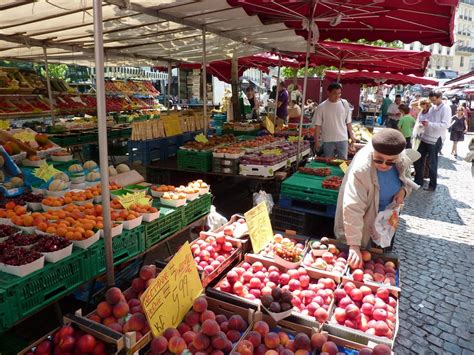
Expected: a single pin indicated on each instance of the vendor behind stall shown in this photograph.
(254, 103)
(294, 114)
(378, 176)
(282, 109)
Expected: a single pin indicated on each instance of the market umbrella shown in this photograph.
(365, 57)
(375, 78)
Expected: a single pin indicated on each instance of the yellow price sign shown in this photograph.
(260, 228)
(45, 172)
(136, 198)
(167, 300)
(344, 167)
(4, 124)
(172, 126)
(201, 138)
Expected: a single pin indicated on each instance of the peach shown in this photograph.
(330, 348)
(272, 340)
(367, 309)
(340, 315)
(365, 290)
(170, 333)
(201, 341)
(284, 339)
(129, 293)
(262, 328)
(365, 351)
(137, 322)
(113, 295)
(348, 287)
(381, 328)
(224, 326)
(147, 272)
(381, 349)
(233, 335)
(95, 318)
(383, 293)
(85, 343)
(260, 350)
(219, 341)
(356, 294)
(321, 315)
(183, 328)
(134, 303)
(271, 352)
(317, 340)
(200, 304)
(301, 352)
(121, 309)
(254, 337)
(189, 337)
(378, 277)
(220, 318)
(380, 314)
(109, 320)
(117, 327)
(210, 327)
(339, 294)
(245, 348)
(236, 322)
(138, 284)
(366, 256)
(302, 341)
(192, 318)
(352, 311)
(104, 310)
(207, 315)
(176, 345)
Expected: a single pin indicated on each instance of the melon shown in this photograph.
(93, 176)
(75, 168)
(61, 176)
(2, 161)
(57, 185)
(112, 171)
(90, 164)
(122, 168)
(16, 181)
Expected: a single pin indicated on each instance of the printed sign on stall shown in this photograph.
(167, 300)
(260, 228)
(344, 167)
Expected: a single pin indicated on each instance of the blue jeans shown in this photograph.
(336, 149)
(430, 150)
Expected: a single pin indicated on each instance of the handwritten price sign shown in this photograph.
(344, 167)
(172, 126)
(137, 198)
(45, 172)
(260, 228)
(167, 300)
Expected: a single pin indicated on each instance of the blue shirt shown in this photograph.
(390, 184)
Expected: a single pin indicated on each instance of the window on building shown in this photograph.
(411, 46)
(461, 61)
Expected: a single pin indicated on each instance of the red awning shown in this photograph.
(374, 78)
(427, 21)
(365, 57)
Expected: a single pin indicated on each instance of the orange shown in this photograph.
(89, 233)
(51, 230)
(27, 221)
(77, 236)
(69, 235)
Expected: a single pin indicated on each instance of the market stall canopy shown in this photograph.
(460, 81)
(141, 32)
(365, 57)
(427, 21)
(374, 78)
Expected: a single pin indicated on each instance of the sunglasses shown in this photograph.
(386, 162)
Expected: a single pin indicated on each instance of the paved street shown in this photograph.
(435, 242)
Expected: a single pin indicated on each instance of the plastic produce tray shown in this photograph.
(170, 221)
(125, 246)
(26, 295)
(197, 208)
(6, 316)
(308, 188)
(335, 170)
(194, 160)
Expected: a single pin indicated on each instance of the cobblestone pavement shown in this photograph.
(435, 242)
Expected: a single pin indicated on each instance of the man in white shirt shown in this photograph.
(439, 118)
(394, 113)
(334, 124)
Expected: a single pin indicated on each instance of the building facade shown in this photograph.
(460, 57)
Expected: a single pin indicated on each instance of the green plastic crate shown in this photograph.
(308, 188)
(6, 316)
(113, 133)
(67, 140)
(26, 295)
(194, 160)
(197, 208)
(126, 132)
(88, 137)
(335, 170)
(171, 221)
(125, 246)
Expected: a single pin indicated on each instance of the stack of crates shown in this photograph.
(225, 165)
(217, 122)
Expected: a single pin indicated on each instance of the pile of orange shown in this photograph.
(73, 196)
(24, 220)
(143, 209)
(55, 201)
(124, 215)
(11, 210)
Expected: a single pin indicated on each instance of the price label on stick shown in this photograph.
(45, 171)
(172, 126)
(137, 198)
(167, 300)
(260, 228)
(344, 167)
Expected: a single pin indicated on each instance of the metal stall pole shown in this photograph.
(278, 83)
(48, 85)
(204, 80)
(170, 78)
(103, 154)
(236, 115)
(305, 83)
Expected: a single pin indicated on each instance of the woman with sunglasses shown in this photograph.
(378, 175)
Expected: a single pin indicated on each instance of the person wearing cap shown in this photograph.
(378, 175)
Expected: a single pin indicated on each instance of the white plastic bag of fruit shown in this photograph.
(263, 196)
(215, 220)
(386, 224)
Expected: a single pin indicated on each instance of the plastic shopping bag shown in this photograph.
(263, 196)
(418, 131)
(215, 220)
(386, 224)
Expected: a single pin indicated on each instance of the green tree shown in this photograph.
(289, 73)
(56, 71)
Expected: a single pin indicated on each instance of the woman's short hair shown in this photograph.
(424, 102)
(404, 108)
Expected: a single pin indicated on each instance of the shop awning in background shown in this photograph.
(374, 78)
(365, 57)
(427, 21)
(460, 81)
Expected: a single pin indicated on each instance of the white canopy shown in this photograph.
(137, 32)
